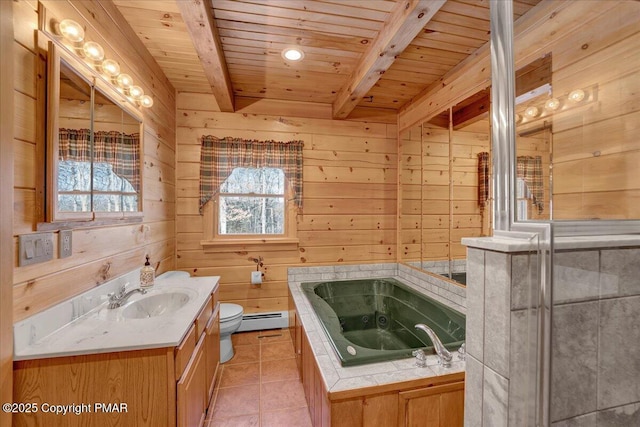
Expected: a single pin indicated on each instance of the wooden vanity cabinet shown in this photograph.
(161, 387)
(192, 390)
(196, 382)
(212, 343)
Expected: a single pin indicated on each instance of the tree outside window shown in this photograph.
(252, 201)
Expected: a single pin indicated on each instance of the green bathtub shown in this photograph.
(372, 320)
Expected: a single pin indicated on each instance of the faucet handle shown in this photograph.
(118, 293)
(121, 290)
(462, 352)
(421, 358)
(445, 360)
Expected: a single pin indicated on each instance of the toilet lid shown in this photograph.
(228, 310)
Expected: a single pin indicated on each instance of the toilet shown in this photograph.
(230, 319)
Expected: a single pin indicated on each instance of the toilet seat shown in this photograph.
(229, 312)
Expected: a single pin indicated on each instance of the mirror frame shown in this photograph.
(57, 54)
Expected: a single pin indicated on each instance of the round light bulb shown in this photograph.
(124, 80)
(93, 51)
(292, 54)
(146, 101)
(552, 104)
(136, 92)
(576, 95)
(71, 30)
(110, 67)
(531, 112)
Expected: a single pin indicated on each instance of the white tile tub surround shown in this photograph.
(83, 324)
(595, 332)
(339, 378)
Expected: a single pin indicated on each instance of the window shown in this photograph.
(523, 200)
(250, 191)
(252, 201)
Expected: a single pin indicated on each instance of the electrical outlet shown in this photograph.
(256, 277)
(35, 248)
(65, 243)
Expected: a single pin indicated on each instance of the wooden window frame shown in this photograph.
(215, 242)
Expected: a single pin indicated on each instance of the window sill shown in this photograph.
(232, 245)
(99, 221)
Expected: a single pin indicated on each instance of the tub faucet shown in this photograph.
(443, 354)
(119, 297)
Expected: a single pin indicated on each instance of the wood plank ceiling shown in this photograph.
(360, 55)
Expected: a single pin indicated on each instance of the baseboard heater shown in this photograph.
(260, 321)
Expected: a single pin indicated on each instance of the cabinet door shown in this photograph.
(213, 350)
(438, 406)
(192, 390)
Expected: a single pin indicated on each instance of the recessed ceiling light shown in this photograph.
(292, 54)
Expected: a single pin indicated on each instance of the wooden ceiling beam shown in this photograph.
(473, 112)
(198, 15)
(403, 24)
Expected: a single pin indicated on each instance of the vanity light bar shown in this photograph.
(552, 105)
(93, 52)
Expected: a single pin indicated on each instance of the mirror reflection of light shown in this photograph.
(576, 95)
(531, 112)
(552, 104)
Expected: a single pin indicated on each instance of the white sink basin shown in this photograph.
(155, 305)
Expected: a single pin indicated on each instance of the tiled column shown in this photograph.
(595, 377)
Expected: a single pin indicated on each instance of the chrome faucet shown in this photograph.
(119, 297)
(443, 354)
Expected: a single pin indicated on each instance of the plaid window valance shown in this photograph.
(530, 170)
(220, 156)
(483, 179)
(120, 150)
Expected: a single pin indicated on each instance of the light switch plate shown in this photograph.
(65, 240)
(34, 248)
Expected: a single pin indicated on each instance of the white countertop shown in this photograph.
(338, 378)
(104, 330)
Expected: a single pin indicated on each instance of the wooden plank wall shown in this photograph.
(436, 195)
(349, 201)
(104, 252)
(467, 220)
(410, 194)
(6, 209)
(596, 151)
(439, 194)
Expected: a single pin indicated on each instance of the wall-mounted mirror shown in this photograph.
(534, 115)
(454, 175)
(94, 146)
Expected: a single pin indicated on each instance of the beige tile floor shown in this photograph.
(260, 386)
